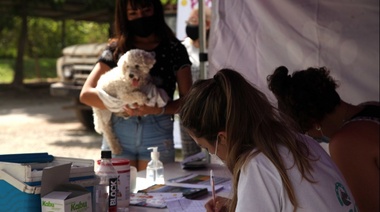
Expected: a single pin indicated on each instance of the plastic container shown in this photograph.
(106, 191)
(133, 176)
(155, 168)
(122, 167)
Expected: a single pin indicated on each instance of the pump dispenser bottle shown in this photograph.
(155, 168)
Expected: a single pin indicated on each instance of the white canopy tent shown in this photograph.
(256, 36)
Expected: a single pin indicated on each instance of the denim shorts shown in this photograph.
(136, 134)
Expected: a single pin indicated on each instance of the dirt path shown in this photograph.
(33, 121)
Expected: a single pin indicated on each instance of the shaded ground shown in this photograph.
(33, 121)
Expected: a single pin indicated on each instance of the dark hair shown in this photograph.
(306, 95)
(123, 36)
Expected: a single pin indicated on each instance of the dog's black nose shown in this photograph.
(131, 75)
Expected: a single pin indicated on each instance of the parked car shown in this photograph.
(73, 68)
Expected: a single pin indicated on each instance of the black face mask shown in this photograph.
(192, 32)
(143, 27)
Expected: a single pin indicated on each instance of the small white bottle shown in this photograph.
(155, 168)
(106, 191)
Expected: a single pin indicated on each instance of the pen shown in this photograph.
(212, 186)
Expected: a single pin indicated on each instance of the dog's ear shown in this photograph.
(122, 59)
(153, 54)
(150, 59)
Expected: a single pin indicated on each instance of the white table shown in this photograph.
(174, 170)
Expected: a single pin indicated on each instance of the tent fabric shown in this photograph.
(254, 37)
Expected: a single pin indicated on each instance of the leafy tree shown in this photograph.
(8, 29)
(32, 28)
(40, 38)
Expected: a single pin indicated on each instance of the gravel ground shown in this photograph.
(33, 121)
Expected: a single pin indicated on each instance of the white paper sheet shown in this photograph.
(186, 205)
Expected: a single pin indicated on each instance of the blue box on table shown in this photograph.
(20, 178)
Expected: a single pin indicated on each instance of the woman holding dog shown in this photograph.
(140, 24)
(274, 168)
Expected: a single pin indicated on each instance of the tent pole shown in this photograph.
(202, 40)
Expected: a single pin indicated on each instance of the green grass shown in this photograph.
(43, 70)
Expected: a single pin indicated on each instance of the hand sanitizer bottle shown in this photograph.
(155, 168)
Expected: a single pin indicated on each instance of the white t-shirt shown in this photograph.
(260, 187)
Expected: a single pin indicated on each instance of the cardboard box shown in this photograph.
(78, 201)
(58, 195)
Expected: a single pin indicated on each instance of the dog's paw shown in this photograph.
(145, 99)
(117, 149)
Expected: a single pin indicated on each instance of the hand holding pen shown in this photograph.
(219, 206)
(216, 204)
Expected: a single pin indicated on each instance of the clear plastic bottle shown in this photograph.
(106, 191)
(155, 168)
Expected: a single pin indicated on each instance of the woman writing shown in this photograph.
(273, 167)
(140, 24)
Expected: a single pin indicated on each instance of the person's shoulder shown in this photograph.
(361, 124)
(259, 165)
(257, 159)
(174, 43)
(356, 136)
(370, 109)
(112, 44)
(346, 132)
(358, 128)
(174, 46)
(370, 103)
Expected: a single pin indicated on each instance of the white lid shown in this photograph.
(155, 155)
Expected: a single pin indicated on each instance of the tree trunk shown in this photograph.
(19, 66)
(63, 35)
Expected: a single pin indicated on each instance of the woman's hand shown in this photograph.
(141, 110)
(221, 204)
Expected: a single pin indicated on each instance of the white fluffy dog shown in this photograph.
(127, 84)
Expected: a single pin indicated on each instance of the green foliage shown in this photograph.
(6, 22)
(173, 2)
(8, 40)
(45, 36)
(6, 71)
(85, 32)
(43, 70)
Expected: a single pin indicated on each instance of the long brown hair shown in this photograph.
(230, 103)
(123, 36)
